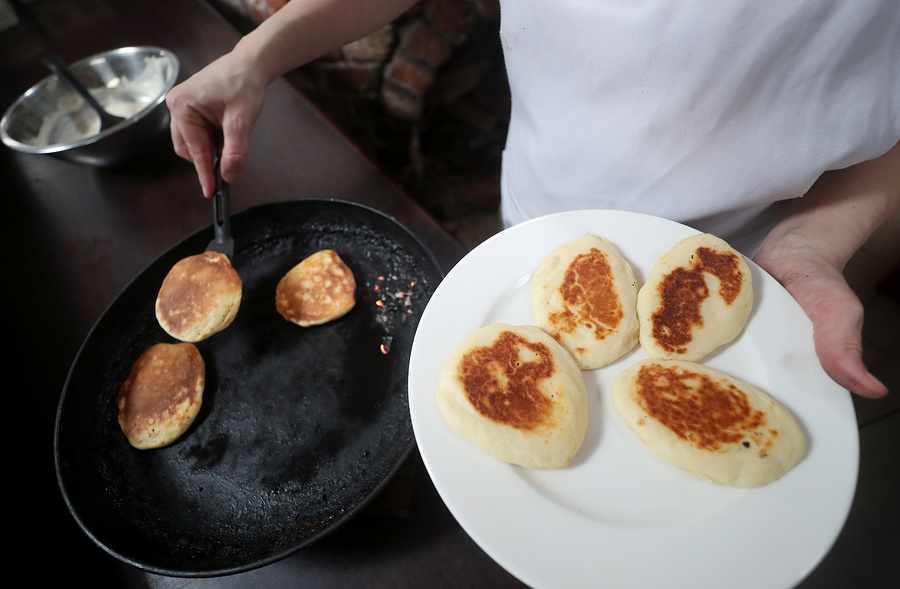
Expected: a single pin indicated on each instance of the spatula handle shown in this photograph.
(221, 212)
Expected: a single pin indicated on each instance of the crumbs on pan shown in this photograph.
(393, 295)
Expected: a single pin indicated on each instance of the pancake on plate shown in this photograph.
(516, 394)
(199, 296)
(162, 395)
(697, 297)
(319, 289)
(708, 423)
(584, 295)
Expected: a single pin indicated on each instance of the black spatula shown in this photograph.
(223, 242)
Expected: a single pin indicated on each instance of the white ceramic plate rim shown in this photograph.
(617, 516)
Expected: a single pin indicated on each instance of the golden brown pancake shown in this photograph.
(317, 290)
(584, 294)
(697, 297)
(516, 394)
(199, 296)
(162, 395)
(708, 423)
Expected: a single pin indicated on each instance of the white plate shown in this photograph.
(617, 516)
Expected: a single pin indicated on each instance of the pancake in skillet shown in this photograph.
(162, 395)
(199, 296)
(708, 423)
(697, 297)
(319, 289)
(516, 394)
(583, 294)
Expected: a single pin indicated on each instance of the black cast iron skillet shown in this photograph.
(299, 427)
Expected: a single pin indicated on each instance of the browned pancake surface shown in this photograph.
(591, 297)
(516, 394)
(162, 394)
(503, 387)
(700, 410)
(708, 423)
(199, 296)
(683, 291)
(317, 290)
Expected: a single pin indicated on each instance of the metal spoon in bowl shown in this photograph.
(57, 65)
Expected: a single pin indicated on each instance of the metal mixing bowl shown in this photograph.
(130, 82)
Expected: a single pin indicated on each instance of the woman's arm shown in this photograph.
(228, 94)
(807, 250)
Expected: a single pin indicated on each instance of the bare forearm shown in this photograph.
(304, 30)
(228, 94)
(841, 210)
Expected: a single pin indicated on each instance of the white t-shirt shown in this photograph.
(703, 112)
